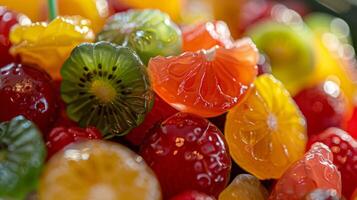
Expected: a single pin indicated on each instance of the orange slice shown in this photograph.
(206, 83)
(266, 133)
(98, 170)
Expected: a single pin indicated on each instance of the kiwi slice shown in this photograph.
(149, 32)
(106, 86)
(22, 155)
(289, 49)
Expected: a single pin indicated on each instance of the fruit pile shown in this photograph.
(115, 100)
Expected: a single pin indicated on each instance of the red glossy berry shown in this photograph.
(192, 195)
(28, 91)
(352, 124)
(323, 106)
(344, 149)
(160, 111)
(7, 20)
(188, 152)
(60, 137)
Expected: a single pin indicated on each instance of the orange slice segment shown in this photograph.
(98, 170)
(266, 133)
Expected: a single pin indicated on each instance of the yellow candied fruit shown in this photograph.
(266, 133)
(49, 45)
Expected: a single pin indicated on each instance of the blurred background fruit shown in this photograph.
(323, 105)
(7, 20)
(37, 10)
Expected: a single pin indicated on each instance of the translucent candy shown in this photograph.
(208, 82)
(98, 170)
(314, 170)
(266, 133)
(244, 187)
(43, 44)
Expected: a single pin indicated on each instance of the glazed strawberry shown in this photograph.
(188, 152)
(60, 137)
(28, 91)
(323, 106)
(344, 149)
(160, 111)
(7, 20)
(192, 195)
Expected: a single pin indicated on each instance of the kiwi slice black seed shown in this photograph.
(106, 86)
(22, 155)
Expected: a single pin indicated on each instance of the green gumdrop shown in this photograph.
(22, 155)
(289, 49)
(149, 32)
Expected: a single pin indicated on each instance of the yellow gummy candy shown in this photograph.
(49, 45)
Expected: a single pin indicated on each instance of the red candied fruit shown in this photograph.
(315, 170)
(28, 91)
(344, 149)
(60, 137)
(323, 106)
(188, 152)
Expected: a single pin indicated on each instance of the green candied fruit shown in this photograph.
(106, 86)
(149, 32)
(289, 49)
(22, 155)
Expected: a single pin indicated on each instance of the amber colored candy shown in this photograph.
(315, 170)
(96, 169)
(206, 35)
(244, 187)
(205, 83)
(266, 133)
(43, 44)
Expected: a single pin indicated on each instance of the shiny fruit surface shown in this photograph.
(28, 91)
(97, 169)
(344, 150)
(188, 152)
(315, 170)
(266, 133)
(206, 83)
